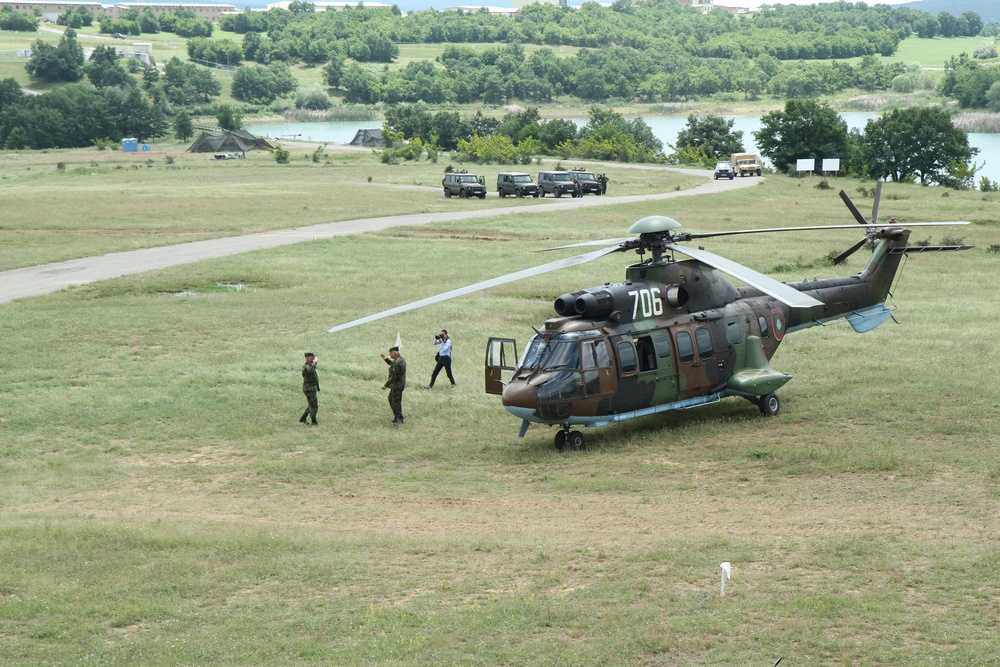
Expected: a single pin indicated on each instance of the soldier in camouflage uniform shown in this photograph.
(396, 383)
(310, 387)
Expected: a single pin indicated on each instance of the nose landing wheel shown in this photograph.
(567, 438)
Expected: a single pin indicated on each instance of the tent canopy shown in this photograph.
(227, 141)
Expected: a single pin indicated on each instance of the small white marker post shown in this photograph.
(726, 575)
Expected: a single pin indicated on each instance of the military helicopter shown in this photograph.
(676, 333)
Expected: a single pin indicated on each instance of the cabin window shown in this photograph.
(705, 348)
(646, 353)
(662, 345)
(685, 348)
(762, 323)
(626, 357)
(734, 333)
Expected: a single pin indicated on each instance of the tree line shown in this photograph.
(904, 145)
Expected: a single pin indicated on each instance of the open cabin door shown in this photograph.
(501, 355)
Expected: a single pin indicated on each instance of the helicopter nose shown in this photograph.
(520, 395)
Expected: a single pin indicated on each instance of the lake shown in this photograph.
(665, 128)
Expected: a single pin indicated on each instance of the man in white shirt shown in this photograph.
(443, 357)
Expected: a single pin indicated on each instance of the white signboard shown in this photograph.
(805, 164)
(831, 164)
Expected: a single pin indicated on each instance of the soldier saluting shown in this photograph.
(396, 383)
(310, 387)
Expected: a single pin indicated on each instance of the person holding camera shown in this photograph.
(443, 357)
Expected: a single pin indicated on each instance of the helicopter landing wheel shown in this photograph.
(561, 440)
(769, 404)
(575, 440)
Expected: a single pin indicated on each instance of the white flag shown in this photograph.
(399, 341)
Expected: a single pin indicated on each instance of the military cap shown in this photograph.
(394, 349)
(310, 354)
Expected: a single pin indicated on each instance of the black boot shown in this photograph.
(314, 422)
(303, 417)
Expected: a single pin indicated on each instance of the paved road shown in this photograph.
(47, 278)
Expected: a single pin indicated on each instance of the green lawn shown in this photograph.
(160, 505)
(108, 201)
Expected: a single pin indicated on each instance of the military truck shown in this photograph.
(745, 164)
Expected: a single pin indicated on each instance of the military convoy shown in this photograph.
(557, 182)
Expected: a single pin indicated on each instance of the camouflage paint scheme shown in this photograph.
(677, 334)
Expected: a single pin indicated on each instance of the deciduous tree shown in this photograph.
(917, 142)
(714, 134)
(804, 129)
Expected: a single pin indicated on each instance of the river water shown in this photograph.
(665, 128)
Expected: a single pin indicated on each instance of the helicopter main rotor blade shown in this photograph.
(766, 284)
(854, 209)
(590, 243)
(812, 228)
(469, 289)
(850, 251)
(767, 230)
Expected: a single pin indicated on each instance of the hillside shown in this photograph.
(988, 10)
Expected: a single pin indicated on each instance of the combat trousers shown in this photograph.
(313, 403)
(396, 403)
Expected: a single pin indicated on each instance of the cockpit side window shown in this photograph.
(595, 354)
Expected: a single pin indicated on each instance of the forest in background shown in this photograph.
(654, 51)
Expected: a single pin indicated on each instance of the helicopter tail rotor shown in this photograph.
(861, 221)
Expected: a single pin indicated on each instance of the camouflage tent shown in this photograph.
(225, 141)
(370, 138)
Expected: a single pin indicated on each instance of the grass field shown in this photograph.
(107, 201)
(159, 504)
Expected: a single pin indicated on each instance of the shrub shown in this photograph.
(985, 50)
(313, 97)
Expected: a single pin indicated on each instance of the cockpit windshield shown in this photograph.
(558, 351)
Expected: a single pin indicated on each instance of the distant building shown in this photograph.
(704, 6)
(49, 10)
(52, 10)
(472, 9)
(332, 6)
(210, 12)
(518, 4)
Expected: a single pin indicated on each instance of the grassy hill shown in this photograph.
(161, 505)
